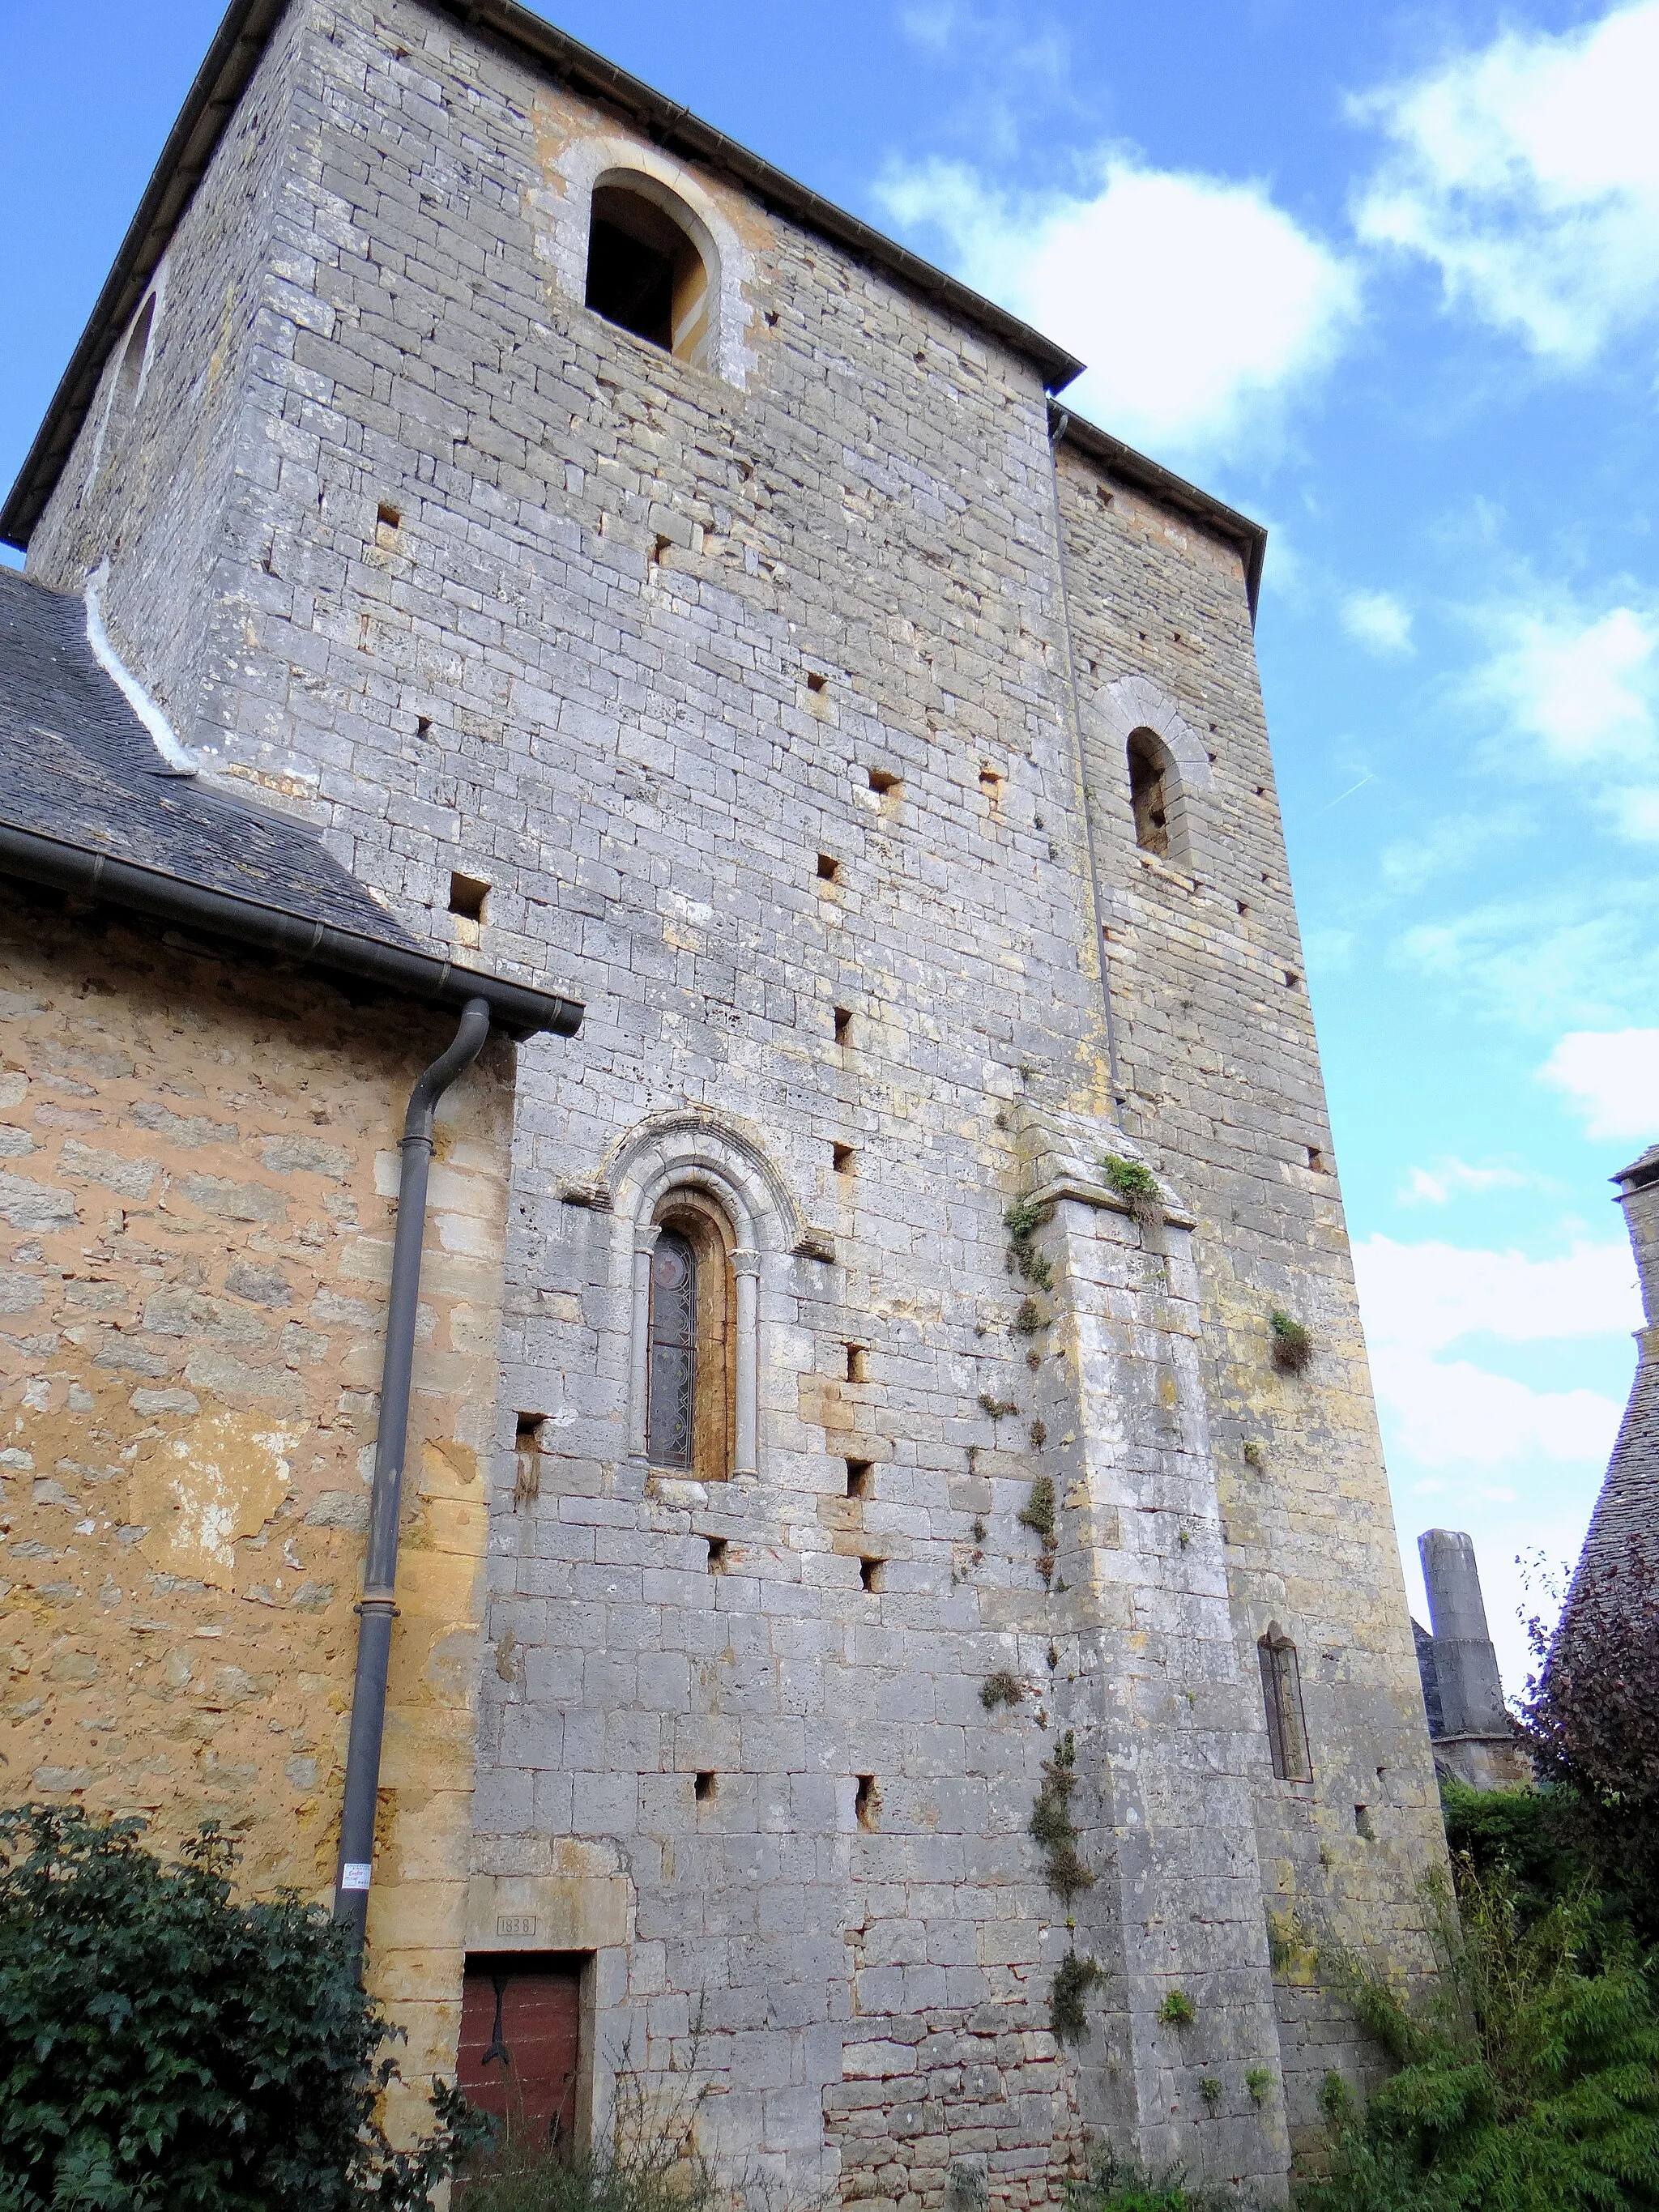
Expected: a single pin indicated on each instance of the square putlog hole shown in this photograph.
(884, 783)
(718, 1548)
(527, 1459)
(843, 1024)
(858, 1364)
(468, 896)
(815, 681)
(842, 1156)
(870, 1575)
(867, 1802)
(828, 868)
(703, 1788)
(859, 1474)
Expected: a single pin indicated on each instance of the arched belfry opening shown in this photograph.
(1154, 795)
(646, 271)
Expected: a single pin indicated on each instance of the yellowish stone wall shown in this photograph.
(198, 1177)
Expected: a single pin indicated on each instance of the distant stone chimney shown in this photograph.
(1638, 1190)
(1462, 1692)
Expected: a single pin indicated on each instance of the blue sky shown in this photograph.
(1387, 278)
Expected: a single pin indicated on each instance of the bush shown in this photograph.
(164, 2050)
(1528, 2082)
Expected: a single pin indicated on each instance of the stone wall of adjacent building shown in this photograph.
(747, 692)
(198, 1172)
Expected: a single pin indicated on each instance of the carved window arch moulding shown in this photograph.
(708, 1185)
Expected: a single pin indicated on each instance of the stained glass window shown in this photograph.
(673, 1374)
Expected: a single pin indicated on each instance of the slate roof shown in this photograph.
(89, 804)
(1624, 1529)
(76, 764)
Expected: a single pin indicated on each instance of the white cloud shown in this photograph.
(1582, 954)
(1611, 1077)
(1528, 173)
(1418, 1299)
(1437, 1185)
(1199, 304)
(1422, 1297)
(1585, 690)
(1453, 842)
(1377, 620)
(1452, 1413)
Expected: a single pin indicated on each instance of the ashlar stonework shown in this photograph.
(778, 701)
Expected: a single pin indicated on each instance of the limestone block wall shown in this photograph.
(745, 689)
(1220, 1075)
(147, 488)
(198, 1157)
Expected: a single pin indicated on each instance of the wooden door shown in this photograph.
(521, 2042)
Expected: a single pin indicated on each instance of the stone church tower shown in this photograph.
(930, 1398)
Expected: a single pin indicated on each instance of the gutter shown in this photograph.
(518, 1008)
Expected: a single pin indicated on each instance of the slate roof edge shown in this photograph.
(519, 1008)
(230, 61)
(1250, 537)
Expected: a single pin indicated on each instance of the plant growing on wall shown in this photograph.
(1136, 1186)
(161, 2045)
(1075, 1976)
(1002, 1688)
(1038, 1513)
(1052, 1825)
(1023, 1220)
(1292, 1344)
(1177, 2009)
(1066, 1873)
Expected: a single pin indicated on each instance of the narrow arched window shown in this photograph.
(644, 272)
(1153, 793)
(671, 1421)
(1281, 1693)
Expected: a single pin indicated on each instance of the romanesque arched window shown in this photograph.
(1281, 1693)
(691, 1368)
(670, 1417)
(645, 268)
(1155, 797)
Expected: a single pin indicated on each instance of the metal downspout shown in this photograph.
(375, 1613)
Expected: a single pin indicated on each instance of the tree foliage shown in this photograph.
(1590, 1715)
(1528, 2083)
(163, 2049)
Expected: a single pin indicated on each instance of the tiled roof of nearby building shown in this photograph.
(87, 802)
(76, 764)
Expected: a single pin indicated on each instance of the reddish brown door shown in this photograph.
(521, 2041)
